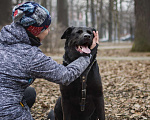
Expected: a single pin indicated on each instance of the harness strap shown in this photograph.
(83, 80)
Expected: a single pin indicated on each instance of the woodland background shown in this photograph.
(123, 54)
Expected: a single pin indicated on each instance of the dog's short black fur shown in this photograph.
(68, 105)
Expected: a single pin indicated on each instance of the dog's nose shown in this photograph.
(87, 36)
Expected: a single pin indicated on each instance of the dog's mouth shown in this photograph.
(83, 49)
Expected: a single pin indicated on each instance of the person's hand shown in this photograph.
(95, 39)
(94, 45)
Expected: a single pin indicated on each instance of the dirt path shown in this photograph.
(110, 58)
(116, 47)
(113, 51)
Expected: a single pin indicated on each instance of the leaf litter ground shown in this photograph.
(126, 86)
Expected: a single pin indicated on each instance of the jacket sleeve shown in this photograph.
(45, 67)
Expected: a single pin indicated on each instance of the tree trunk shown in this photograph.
(87, 9)
(50, 39)
(78, 10)
(116, 22)
(43, 3)
(71, 13)
(101, 20)
(5, 12)
(98, 15)
(92, 13)
(50, 5)
(62, 12)
(121, 17)
(142, 26)
(45, 42)
(110, 19)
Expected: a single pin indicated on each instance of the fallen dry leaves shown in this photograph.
(126, 89)
(126, 86)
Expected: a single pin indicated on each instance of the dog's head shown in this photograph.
(78, 41)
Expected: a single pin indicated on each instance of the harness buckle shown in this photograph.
(84, 93)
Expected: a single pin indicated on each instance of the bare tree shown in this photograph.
(62, 12)
(116, 21)
(121, 17)
(71, 10)
(142, 26)
(78, 9)
(110, 21)
(101, 19)
(5, 12)
(92, 13)
(98, 14)
(44, 3)
(46, 41)
(50, 5)
(87, 9)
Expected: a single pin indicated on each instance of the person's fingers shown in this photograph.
(96, 37)
(97, 40)
(94, 34)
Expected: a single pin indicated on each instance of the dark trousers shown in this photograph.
(30, 96)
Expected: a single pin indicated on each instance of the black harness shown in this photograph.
(83, 78)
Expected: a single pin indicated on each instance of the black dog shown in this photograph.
(83, 98)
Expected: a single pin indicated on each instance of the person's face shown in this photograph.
(42, 35)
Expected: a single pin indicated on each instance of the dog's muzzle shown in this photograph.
(83, 47)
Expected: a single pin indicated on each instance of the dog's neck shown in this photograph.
(65, 63)
(69, 56)
(66, 60)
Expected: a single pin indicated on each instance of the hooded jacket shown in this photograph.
(20, 64)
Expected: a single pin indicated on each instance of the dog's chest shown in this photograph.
(74, 90)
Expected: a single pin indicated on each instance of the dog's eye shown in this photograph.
(79, 31)
(89, 32)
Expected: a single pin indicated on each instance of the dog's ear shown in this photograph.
(67, 32)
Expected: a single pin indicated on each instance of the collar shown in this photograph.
(35, 41)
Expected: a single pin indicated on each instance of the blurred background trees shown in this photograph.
(5, 12)
(142, 31)
(62, 12)
(114, 19)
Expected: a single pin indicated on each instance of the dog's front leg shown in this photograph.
(99, 103)
(66, 109)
